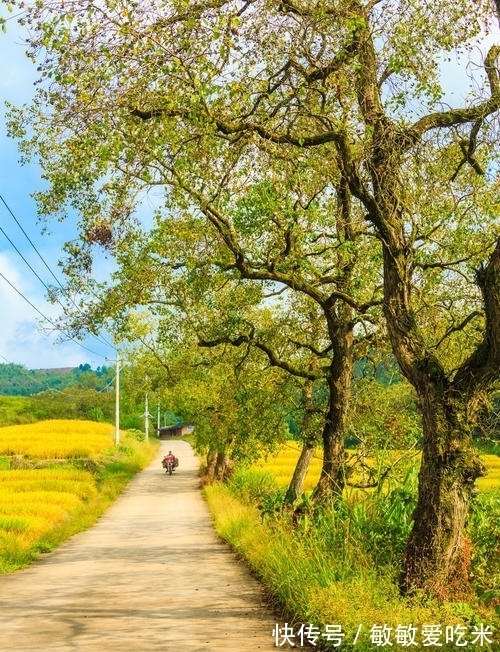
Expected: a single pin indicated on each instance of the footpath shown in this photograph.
(150, 575)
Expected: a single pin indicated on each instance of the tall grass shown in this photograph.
(340, 567)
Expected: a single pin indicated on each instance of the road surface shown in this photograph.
(150, 575)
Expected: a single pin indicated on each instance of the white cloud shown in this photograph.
(25, 337)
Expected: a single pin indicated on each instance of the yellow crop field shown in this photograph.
(34, 501)
(56, 478)
(56, 439)
(492, 480)
(282, 464)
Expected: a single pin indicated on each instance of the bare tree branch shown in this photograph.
(468, 148)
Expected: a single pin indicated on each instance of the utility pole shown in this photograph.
(117, 400)
(146, 418)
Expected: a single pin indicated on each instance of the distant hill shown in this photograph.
(17, 380)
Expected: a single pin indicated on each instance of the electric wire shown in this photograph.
(47, 319)
(9, 210)
(24, 259)
(11, 213)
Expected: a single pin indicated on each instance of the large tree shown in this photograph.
(207, 97)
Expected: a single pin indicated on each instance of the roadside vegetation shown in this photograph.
(56, 479)
(333, 568)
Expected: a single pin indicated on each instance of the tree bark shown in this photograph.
(310, 441)
(437, 554)
(332, 479)
(223, 466)
(219, 466)
(209, 475)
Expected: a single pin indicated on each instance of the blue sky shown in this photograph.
(23, 334)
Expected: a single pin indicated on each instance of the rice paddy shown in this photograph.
(33, 501)
(281, 466)
(56, 439)
(55, 480)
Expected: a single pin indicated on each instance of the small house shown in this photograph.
(175, 430)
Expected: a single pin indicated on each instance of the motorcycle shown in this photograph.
(170, 464)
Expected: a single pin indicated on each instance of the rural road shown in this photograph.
(150, 575)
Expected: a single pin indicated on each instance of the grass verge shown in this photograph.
(332, 582)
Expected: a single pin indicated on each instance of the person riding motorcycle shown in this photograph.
(170, 459)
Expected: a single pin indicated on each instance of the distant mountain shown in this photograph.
(17, 380)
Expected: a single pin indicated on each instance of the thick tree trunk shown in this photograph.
(310, 442)
(437, 555)
(332, 479)
(223, 466)
(219, 466)
(209, 474)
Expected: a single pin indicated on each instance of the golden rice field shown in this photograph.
(33, 501)
(56, 439)
(282, 464)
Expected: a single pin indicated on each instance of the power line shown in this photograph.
(100, 355)
(24, 260)
(29, 240)
(11, 213)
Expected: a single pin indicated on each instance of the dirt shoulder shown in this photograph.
(150, 575)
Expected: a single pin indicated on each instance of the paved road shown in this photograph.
(150, 575)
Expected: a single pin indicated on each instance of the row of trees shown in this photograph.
(315, 198)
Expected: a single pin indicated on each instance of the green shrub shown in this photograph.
(253, 486)
(383, 521)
